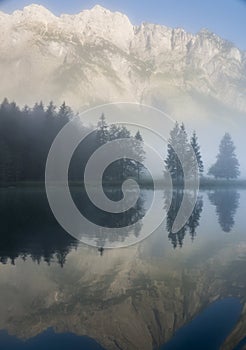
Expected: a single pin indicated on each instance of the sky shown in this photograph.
(227, 18)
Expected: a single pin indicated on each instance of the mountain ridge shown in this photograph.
(100, 56)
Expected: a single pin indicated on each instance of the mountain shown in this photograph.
(99, 56)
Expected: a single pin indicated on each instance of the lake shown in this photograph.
(184, 290)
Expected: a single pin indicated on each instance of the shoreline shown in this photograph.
(205, 183)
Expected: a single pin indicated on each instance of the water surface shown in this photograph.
(147, 296)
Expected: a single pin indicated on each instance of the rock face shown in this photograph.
(99, 56)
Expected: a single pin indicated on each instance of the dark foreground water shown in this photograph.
(48, 340)
(171, 291)
(209, 329)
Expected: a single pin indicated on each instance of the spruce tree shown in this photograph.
(227, 165)
(196, 149)
(185, 155)
(102, 134)
(171, 161)
(64, 114)
(140, 153)
(178, 157)
(120, 169)
(38, 108)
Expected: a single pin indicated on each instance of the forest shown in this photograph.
(26, 135)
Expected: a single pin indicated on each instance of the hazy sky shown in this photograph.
(227, 18)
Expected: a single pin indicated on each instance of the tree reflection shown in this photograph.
(104, 219)
(226, 203)
(191, 225)
(29, 229)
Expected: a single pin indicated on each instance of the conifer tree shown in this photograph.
(196, 149)
(178, 157)
(227, 165)
(102, 134)
(64, 114)
(171, 161)
(140, 153)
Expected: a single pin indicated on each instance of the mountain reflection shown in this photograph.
(192, 223)
(226, 202)
(134, 298)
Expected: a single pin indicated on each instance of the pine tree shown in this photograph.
(196, 149)
(64, 114)
(124, 167)
(51, 110)
(138, 136)
(185, 155)
(25, 138)
(178, 157)
(102, 134)
(121, 168)
(49, 124)
(227, 165)
(140, 153)
(171, 161)
(38, 107)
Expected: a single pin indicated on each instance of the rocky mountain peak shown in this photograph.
(34, 12)
(100, 9)
(102, 55)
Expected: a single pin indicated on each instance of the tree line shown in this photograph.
(26, 136)
(125, 167)
(226, 165)
(25, 139)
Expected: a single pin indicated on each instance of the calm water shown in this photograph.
(171, 291)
